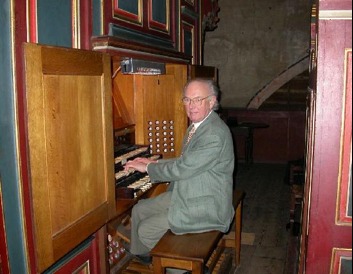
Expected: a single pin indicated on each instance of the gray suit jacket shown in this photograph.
(202, 179)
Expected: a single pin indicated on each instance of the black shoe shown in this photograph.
(144, 259)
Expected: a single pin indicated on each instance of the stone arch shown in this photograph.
(278, 82)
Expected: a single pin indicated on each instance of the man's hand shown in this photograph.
(139, 164)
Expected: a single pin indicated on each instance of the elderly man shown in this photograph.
(199, 198)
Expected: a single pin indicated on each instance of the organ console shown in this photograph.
(147, 111)
(149, 121)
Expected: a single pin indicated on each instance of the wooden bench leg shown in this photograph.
(237, 243)
(197, 268)
(233, 240)
(157, 266)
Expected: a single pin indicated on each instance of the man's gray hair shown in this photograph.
(212, 87)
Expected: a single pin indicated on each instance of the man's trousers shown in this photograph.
(149, 222)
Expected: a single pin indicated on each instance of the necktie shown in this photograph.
(191, 132)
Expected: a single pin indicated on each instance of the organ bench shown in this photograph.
(192, 251)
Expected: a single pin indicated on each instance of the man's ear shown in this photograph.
(213, 101)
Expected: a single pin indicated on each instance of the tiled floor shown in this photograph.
(265, 213)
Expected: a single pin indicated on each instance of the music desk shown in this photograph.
(247, 129)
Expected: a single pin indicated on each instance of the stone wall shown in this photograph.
(254, 42)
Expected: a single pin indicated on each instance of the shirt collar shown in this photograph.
(196, 125)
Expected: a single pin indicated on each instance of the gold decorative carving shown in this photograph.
(210, 18)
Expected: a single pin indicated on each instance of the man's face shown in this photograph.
(195, 112)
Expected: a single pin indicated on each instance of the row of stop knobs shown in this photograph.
(115, 250)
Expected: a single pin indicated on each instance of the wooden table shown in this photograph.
(247, 129)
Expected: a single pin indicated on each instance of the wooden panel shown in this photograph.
(70, 147)
(129, 10)
(344, 197)
(151, 23)
(82, 260)
(191, 3)
(282, 141)
(341, 262)
(197, 71)
(188, 39)
(160, 97)
(54, 21)
(190, 33)
(323, 233)
(158, 17)
(309, 136)
(152, 105)
(119, 47)
(69, 110)
(4, 260)
(123, 101)
(158, 125)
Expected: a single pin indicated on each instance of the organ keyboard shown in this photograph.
(129, 184)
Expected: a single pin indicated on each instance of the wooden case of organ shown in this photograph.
(77, 116)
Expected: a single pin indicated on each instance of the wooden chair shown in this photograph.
(192, 251)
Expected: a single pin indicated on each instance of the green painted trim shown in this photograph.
(188, 12)
(97, 29)
(139, 37)
(69, 256)
(8, 149)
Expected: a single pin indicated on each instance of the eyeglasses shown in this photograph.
(196, 101)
